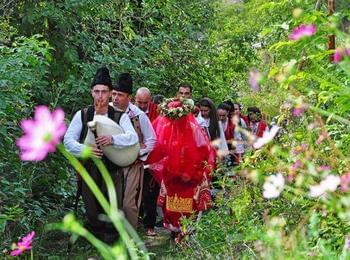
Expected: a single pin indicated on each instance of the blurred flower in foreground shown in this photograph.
(255, 78)
(273, 186)
(347, 243)
(323, 136)
(299, 110)
(297, 12)
(24, 244)
(300, 148)
(324, 168)
(303, 30)
(340, 53)
(330, 183)
(296, 165)
(345, 181)
(41, 134)
(266, 138)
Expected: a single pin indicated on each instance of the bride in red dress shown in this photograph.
(181, 161)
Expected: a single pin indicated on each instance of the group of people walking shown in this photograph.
(180, 143)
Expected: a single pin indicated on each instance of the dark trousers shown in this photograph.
(149, 198)
(100, 228)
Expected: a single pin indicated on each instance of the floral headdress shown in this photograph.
(175, 108)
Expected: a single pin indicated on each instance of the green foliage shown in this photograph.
(245, 225)
(50, 51)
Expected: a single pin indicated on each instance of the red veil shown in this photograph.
(181, 161)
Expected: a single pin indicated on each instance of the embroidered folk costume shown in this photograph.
(181, 161)
(74, 143)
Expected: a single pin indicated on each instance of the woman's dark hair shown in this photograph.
(214, 130)
(256, 111)
(157, 99)
(231, 109)
(224, 106)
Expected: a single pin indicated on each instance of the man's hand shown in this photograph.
(97, 152)
(104, 140)
(101, 107)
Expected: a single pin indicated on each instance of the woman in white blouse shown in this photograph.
(209, 120)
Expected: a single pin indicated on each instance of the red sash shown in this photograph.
(261, 128)
(229, 130)
(246, 120)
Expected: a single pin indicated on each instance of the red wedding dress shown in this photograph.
(181, 161)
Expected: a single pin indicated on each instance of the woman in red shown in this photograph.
(182, 161)
(255, 123)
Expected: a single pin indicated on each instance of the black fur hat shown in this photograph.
(124, 83)
(102, 77)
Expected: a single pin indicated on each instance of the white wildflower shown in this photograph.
(330, 183)
(266, 138)
(273, 186)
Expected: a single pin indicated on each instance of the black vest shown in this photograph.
(87, 115)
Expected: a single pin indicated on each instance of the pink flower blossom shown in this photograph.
(299, 109)
(296, 165)
(325, 168)
(337, 56)
(255, 78)
(344, 181)
(340, 53)
(41, 134)
(300, 148)
(303, 30)
(24, 244)
(323, 136)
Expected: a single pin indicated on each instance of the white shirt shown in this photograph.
(148, 134)
(204, 123)
(238, 136)
(255, 127)
(71, 138)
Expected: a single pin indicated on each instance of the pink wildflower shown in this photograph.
(340, 53)
(344, 181)
(324, 168)
(24, 244)
(42, 133)
(299, 109)
(296, 165)
(323, 136)
(300, 148)
(303, 30)
(255, 78)
(337, 56)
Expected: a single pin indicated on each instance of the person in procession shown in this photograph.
(209, 121)
(255, 123)
(133, 174)
(143, 99)
(182, 159)
(101, 88)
